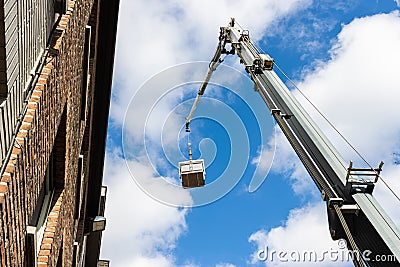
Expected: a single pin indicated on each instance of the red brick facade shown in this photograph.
(52, 124)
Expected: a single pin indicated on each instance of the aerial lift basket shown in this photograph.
(192, 173)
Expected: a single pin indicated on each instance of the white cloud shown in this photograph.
(397, 2)
(358, 90)
(286, 162)
(385, 197)
(265, 153)
(358, 87)
(154, 35)
(304, 233)
(140, 230)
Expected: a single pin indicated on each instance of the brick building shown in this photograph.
(56, 64)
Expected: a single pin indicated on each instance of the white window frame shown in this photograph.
(37, 231)
(80, 183)
(85, 72)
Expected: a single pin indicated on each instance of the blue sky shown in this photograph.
(336, 51)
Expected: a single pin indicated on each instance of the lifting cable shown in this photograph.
(353, 244)
(189, 147)
(338, 132)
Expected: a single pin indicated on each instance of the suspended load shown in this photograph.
(192, 173)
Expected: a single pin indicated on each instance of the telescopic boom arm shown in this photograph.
(214, 63)
(353, 212)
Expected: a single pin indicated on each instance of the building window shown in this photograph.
(74, 254)
(85, 72)
(35, 230)
(79, 180)
(53, 180)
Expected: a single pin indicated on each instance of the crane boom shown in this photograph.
(214, 63)
(353, 212)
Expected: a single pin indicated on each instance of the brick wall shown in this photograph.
(57, 92)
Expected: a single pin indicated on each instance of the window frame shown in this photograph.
(86, 75)
(36, 228)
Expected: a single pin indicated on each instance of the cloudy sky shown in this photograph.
(344, 55)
